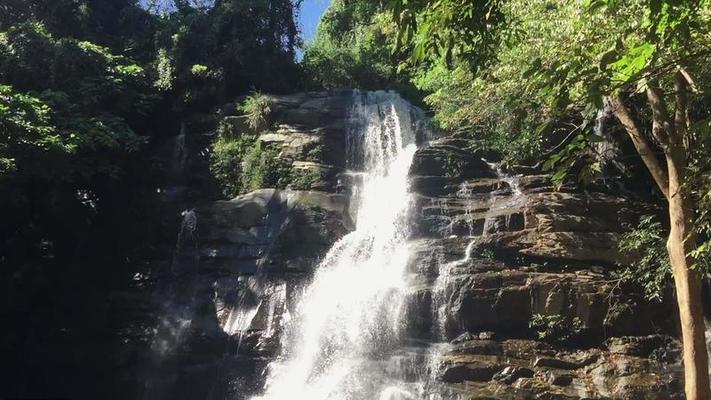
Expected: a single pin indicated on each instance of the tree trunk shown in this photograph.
(671, 136)
(686, 280)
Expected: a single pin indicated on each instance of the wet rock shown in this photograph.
(270, 228)
(639, 346)
(555, 396)
(464, 337)
(460, 372)
(558, 373)
(558, 379)
(555, 363)
(509, 375)
(479, 347)
(447, 159)
(487, 335)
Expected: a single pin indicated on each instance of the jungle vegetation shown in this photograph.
(90, 88)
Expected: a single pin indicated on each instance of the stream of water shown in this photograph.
(348, 320)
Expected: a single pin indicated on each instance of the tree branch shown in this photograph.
(681, 111)
(692, 84)
(644, 149)
(662, 125)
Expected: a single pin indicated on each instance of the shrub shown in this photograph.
(243, 164)
(487, 253)
(257, 108)
(556, 328)
(304, 179)
(199, 70)
(262, 167)
(652, 269)
(315, 154)
(226, 161)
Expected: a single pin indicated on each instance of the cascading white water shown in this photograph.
(348, 318)
(440, 290)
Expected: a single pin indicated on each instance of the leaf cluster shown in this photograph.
(652, 268)
(556, 328)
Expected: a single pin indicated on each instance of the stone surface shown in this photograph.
(487, 249)
(553, 375)
(532, 250)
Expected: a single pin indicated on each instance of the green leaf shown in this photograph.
(533, 69)
(633, 62)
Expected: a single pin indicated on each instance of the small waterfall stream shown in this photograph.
(348, 319)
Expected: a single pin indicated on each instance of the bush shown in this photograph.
(315, 154)
(243, 164)
(652, 270)
(257, 108)
(263, 168)
(556, 328)
(304, 179)
(226, 161)
(487, 253)
(199, 70)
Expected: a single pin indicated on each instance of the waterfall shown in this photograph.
(348, 319)
(179, 154)
(440, 290)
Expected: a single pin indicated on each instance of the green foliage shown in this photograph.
(563, 161)
(353, 48)
(495, 110)
(487, 253)
(30, 139)
(315, 154)
(263, 168)
(82, 95)
(226, 161)
(304, 179)
(448, 29)
(556, 328)
(164, 71)
(244, 44)
(522, 75)
(257, 108)
(699, 184)
(242, 164)
(199, 70)
(652, 268)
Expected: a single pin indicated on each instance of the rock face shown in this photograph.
(489, 253)
(526, 369)
(492, 251)
(235, 270)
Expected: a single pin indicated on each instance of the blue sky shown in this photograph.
(311, 12)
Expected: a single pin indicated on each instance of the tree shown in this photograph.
(608, 52)
(352, 48)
